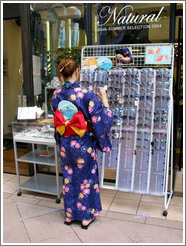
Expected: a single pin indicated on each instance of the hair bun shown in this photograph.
(66, 67)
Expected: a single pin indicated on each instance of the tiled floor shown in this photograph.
(127, 218)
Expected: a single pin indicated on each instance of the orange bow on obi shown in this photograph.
(77, 125)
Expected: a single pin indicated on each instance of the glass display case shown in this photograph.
(34, 131)
(40, 134)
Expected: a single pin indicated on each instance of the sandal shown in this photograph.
(68, 222)
(86, 226)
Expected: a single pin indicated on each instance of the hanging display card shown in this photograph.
(158, 55)
(90, 63)
(104, 63)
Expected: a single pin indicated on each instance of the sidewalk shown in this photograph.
(127, 218)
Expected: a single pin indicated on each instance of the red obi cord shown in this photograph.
(76, 126)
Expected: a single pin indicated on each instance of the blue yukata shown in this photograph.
(78, 154)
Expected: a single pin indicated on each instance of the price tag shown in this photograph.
(105, 87)
(136, 103)
(120, 101)
(118, 122)
(116, 135)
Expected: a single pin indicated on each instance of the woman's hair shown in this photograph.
(66, 68)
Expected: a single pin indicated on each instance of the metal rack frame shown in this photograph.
(138, 51)
(46, 184)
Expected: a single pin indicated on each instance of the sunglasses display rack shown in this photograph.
(139, 100)
(140, 95)
(87, 78)
(90, 79)
(145, 117)
(114, 94)
(160, 131)
(130, 100)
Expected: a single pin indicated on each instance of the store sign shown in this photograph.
(118, 19)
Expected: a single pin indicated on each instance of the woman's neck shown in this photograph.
(71, 79)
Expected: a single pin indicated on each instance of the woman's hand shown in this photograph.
(121, 58)
(101, 93)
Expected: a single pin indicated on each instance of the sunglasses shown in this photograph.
(129, 96)
(115, 104)
(143, 125)
(163, 120)
(99, 83)
(159, 141)
(128, 124)
(164, 98)
(114, 98)
(144, 118)
(129, 111)
(163, 113)
(144, 112)
(129, 104)
(148, 84)
(141, 147)
(161, 84)
(130, 83)
(127, 138)
(116, 122)
(145, 90)
(130, 90)
(130, 117)
(162, 91)
(145, 104)
(128, 131)
(115, 83)
(162, 126)
(145, 133)
(147, 97)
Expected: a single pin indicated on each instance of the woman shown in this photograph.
(78, 140)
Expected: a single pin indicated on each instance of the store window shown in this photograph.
(57, 31)
(124, 23)
(61, 29)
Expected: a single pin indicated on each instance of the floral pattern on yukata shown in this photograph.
(78, 154)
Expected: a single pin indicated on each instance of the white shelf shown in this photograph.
(42, 183)
(34, 157)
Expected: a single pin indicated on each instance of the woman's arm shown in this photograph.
(101, 93)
